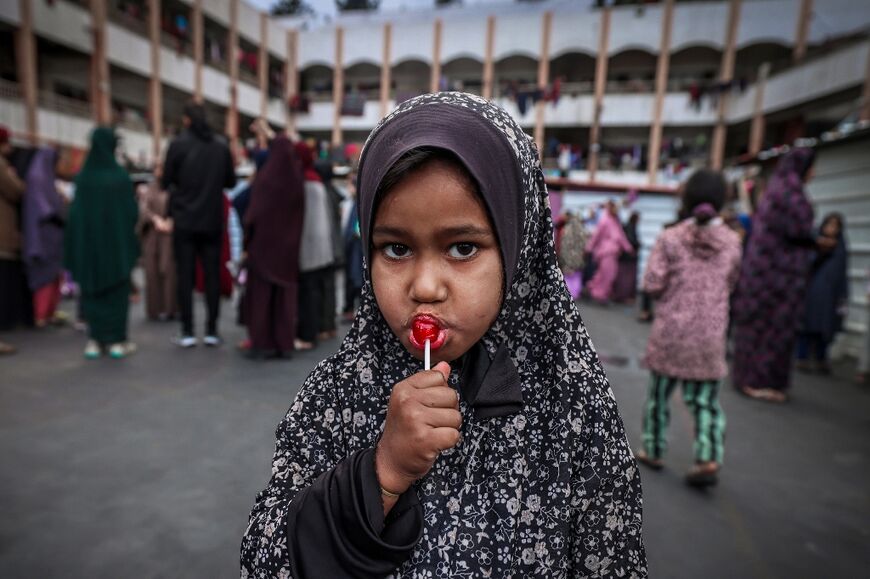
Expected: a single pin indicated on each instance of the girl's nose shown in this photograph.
(429, 284)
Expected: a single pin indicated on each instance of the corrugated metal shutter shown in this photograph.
(842, 183)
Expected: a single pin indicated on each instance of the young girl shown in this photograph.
(508, 458)
(691, 272)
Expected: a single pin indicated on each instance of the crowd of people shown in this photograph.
(300, 229)
(768, 280)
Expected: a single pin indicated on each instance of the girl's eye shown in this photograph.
(462, 250)
(396, 250)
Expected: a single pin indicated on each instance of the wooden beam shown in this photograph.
(756, 131)
(291, 83)
(100, 97)
(600, 84)
(543, 79)
(25, 49)
(488, 64)
(386, 69)
(233, 55)
(155, 88)
(198, 48)
(803, 29)
(337, 86)
(263, 65)
(664, 60)
(435, 81)
(726, 74)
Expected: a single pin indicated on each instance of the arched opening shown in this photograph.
(464, 74)
(577, 71)
(749, 58)
(363, 78)
(316, 82)
(631, 70)
(410, 78)
(693, 64)
(515, 72)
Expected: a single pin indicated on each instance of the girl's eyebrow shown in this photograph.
(467, 230)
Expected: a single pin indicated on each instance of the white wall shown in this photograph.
(12, 115)
(63, 22)
(316, 47)
(363, 45)
(462, 38)
(411, 40)
(514, 34)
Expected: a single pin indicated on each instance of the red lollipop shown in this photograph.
(425, 329)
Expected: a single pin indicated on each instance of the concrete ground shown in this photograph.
(147, 467)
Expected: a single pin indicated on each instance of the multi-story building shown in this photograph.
(636, 89)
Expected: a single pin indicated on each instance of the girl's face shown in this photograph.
(435, 252)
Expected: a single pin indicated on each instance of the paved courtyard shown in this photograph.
(147, 467)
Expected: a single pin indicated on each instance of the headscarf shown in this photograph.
(306, 158)
(546, 489)
(784, 208)
(42, 221)
(100, 246)
(273, 221)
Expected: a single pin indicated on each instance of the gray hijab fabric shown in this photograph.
(549, 490)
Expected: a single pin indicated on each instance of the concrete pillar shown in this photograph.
(263, 65)
(198, 27)
(386, 69)
(664, 60)
(337, 86)
(25, 50)
(291, 82)
(543, 79)
(101, 103)
(756, 131)
(436, 56)
(232, 127)
(726, 74)
(803, 28)
(865, 94)
(600, 83)
(488, 64)
(155, 90)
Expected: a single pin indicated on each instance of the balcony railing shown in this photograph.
(10, 90)
(55, 102)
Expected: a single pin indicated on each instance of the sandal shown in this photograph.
(703, 474)
(653, 463)
(764, 394)
(302, 345)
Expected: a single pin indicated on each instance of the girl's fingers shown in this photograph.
(443, 417)
(429, 379)
(444, 397)
(445, 437)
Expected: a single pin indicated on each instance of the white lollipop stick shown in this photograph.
(426, 361)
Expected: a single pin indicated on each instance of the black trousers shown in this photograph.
(16, 301)
(312, 292)
(188, 246)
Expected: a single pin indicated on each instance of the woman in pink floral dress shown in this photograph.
(691, 273)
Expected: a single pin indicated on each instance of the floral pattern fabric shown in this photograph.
(552, 491)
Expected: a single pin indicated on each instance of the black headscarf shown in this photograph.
(548, 488)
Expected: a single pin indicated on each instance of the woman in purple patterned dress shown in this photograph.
(773, 279)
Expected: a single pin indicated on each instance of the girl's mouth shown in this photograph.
(425, 327)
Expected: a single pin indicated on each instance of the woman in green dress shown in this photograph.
(100, 249)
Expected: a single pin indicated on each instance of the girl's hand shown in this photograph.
(422, 420)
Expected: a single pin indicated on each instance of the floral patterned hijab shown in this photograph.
(550, 489)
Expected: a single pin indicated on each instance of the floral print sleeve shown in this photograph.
(321, 514)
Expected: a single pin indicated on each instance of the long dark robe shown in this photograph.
(771, 294)
(828, 292)
(42, 220)
(100, 244)
(157, 258)
(273, 230)
(542, 484)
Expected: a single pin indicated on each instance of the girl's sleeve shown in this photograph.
(321, 514)
(655, 278)
(606, 504)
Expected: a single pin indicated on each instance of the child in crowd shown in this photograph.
(508, 457)
(691, 272)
